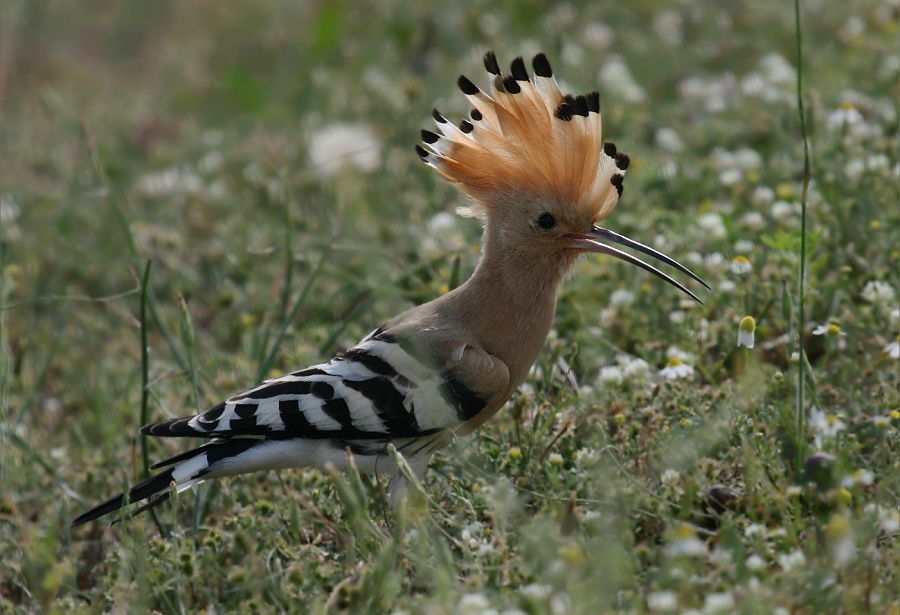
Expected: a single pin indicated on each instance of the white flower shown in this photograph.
(585, 457)
(755, 562)
(555, 459)
(668, 27)
(714, 260)
(755, 530)
(634, 368)
(616, 77)
(831, 330)
(169, 181)
(740, 265)
(560, 604)
(878, 292)
(824, 425)
(730, 177)
(763, 194)
(727, 286)
(792, 561)
(713, 225)
(746, 329)
(662, 601)
(782, 209)
(753, 219)
(667, 139)
(888, 518)
(674, 352)
(858, 477)
(720, 602)
(893, 349)
(621, 298)
(845, 115)
(670, 477)
(694, 258)
(743, 246)
(474, 604)
(685, 543)
(675, 368)
(748, 159)
(841, 540)
(338, 145)
(894, 317)
(778, 70)
(9, 209)
(676, 317)
(472, 530)
(611, 375)
(536, 591)
(598, 35)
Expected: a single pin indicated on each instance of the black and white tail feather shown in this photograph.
(381, 391)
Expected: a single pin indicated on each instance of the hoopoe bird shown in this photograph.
(533, 165)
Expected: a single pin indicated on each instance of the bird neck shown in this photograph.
(510, 300)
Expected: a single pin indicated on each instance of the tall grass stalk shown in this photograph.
(801, 315)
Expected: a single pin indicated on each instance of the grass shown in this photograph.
(179, 134)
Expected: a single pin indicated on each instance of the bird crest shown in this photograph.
(524, 136)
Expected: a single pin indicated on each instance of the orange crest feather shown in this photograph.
(527, 137)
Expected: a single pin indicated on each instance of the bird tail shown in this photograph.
(187, 469)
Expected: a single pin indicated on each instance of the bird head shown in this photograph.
(533, 164)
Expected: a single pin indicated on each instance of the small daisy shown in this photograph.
(473, 604)
(882, 422)
(824, 425)
(662, 601)
(893, 349)
(831, 330)
(740, 265)
(846, 114)
(685, 542)
(878, 292)
(888, 518)
(676, 368)
(858, 477)
(718, 602)
(621, 298)
(610, 375)
(841, 540)
(344, 145)
(755, 562)
(670, 477)
(746, 329)
(633, 368)
(792, 561)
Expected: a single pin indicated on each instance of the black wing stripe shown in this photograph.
(462, 398)
(294, 419)
(213, 414)
(274, 389)
(389, 404)
(227, 450)
(337, 409)
(322, 390)
(374, 364)
(244, 411)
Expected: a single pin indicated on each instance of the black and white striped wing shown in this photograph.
(379, 389)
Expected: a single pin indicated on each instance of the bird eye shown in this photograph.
(546, 221)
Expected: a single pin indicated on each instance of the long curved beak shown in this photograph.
(593, 242)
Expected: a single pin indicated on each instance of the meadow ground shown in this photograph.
(260, 155)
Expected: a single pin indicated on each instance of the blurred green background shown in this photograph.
(260, 154)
